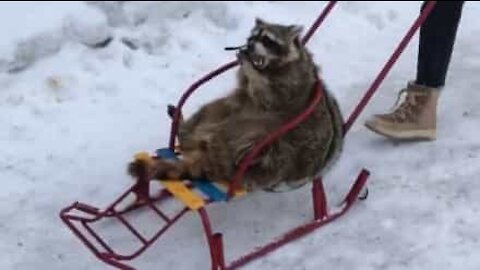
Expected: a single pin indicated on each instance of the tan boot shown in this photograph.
(414, 118)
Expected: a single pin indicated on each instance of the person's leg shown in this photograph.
(415, 118)
(437, 38)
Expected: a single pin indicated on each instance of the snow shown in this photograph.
(72, 116)
(34, 36)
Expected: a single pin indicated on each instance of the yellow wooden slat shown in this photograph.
(238, 192)
(191, 199)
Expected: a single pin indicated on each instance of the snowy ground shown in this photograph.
(72, 116)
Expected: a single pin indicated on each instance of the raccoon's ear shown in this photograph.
(295, 30)
(260, 22)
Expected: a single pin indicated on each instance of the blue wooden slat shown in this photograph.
(166, 153)
(210, 190)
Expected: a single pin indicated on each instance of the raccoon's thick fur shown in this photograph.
(276, 82)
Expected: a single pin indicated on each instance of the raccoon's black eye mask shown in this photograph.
(258, 61)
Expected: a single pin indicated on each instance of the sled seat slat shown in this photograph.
(209, 189)
(213, 191)
(205, 186)
(178, 189)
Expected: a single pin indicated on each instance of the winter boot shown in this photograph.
(413, 119)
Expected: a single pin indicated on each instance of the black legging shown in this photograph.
(437, 38)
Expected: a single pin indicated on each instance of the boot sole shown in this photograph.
(419, 134)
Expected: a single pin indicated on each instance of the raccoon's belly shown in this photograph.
(286, 186)
(313, 145)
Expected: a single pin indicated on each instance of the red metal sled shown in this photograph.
(80, 217)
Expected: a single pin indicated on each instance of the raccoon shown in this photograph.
(275, 83)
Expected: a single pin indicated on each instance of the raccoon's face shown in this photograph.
(271, 46)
